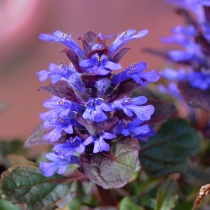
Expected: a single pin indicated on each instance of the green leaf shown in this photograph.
(18, 159)
(116, 168)
(6, 205)
(126, 203)
(169, 150)
(75, 204)
(185, 205)
(103, 208)
(8, 147)
(27, 185)
(197, 176)
(167, 195)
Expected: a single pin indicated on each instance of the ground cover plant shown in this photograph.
(119, 138)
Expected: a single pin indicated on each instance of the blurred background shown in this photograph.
(22, 54)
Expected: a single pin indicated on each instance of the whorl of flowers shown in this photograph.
(92, 104)
(194, 37)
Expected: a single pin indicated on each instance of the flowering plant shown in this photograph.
(113, 141)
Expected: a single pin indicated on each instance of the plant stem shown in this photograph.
(107, 197)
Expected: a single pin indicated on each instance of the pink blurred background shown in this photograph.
(22, 54)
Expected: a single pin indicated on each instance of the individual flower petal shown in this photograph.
(179, 55)
(89, 140)
(171, 89)
(98, 140)
(100, 145)
(145, 136)
(172, 74)
(136, 73)
(125, 37)
(107, 135)
(199, 80)
(59, 36)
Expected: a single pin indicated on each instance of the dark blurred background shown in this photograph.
(22, 54)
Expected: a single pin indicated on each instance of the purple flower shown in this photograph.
(99, 143)
(125, 37)
(55, 73)
(194, 38)
(136, 72)
(59, 163)
(68, 148)
(145, 136)
(59, 36)
(171, 89)
(59, 125)
(100, 65)
(179, 55)
(172, 74)
(60, 108)
(131, 105)
(132, 128)
(200, 80)
(182, 35)
(95, 108)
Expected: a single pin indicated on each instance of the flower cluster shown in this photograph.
(91, 105)
(194, 38)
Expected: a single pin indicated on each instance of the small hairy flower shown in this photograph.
(99, 65)
(99, 143)
(137, 73)
(56, 72)
(58, 163)
(95, 108)
(132, 106)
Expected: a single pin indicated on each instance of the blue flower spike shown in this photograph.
(194, 39)
(87, 113)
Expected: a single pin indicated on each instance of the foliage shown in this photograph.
(117, 144)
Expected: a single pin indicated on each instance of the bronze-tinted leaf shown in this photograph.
(125, 88)
(162, 110)
(195, 97)
(207, 13)
(116, 168)
(74, 59)
(36, 136)
(118, 56)
(61, 89)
